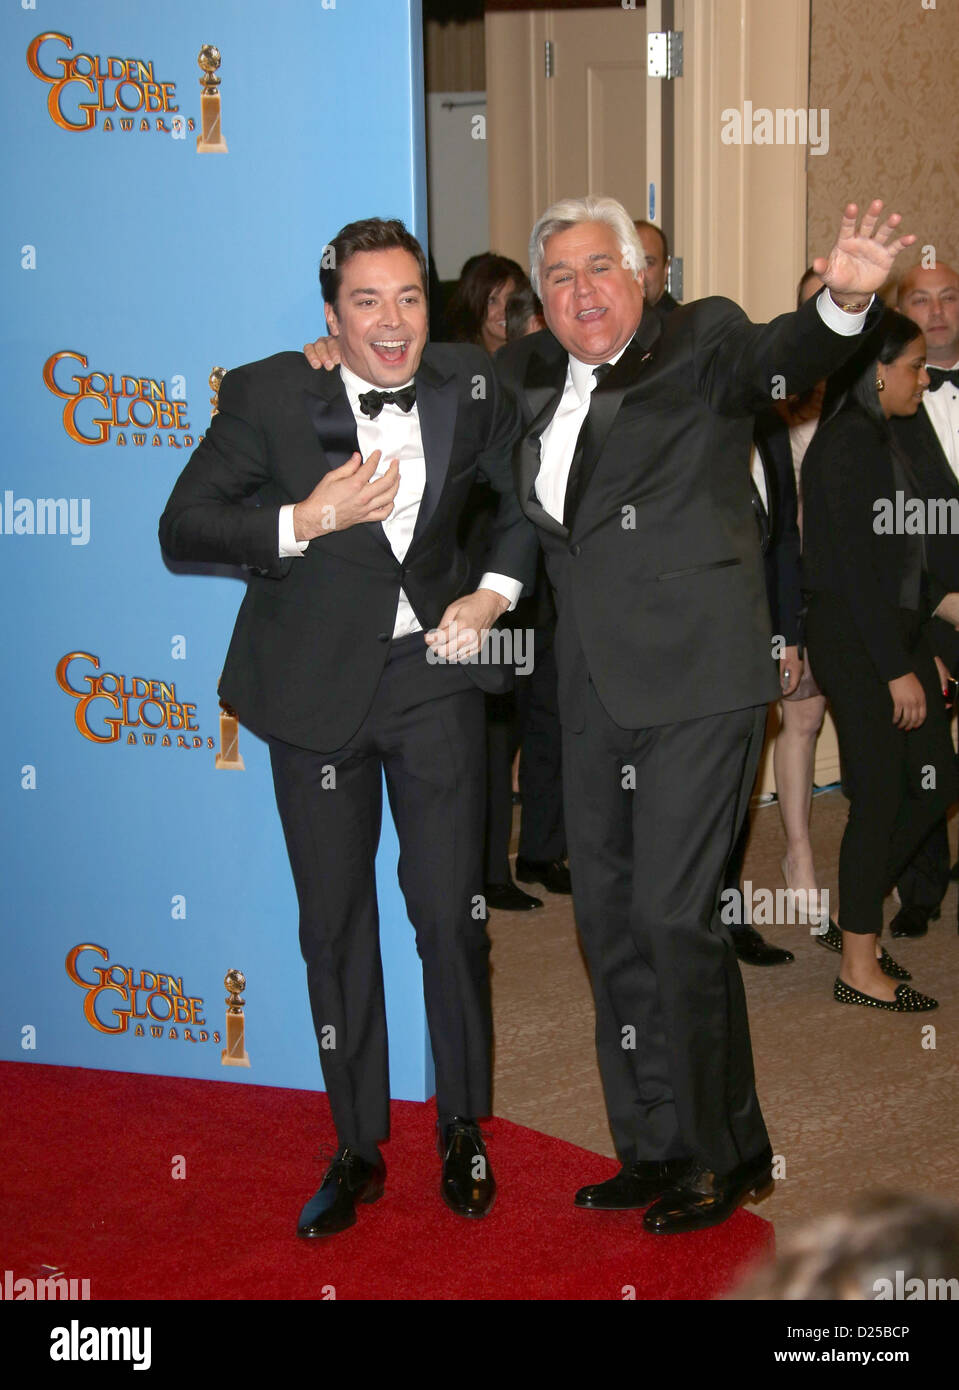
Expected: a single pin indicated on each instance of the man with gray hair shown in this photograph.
(633, 466)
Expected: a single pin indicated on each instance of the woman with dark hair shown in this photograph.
(868, 595)
(476, 312)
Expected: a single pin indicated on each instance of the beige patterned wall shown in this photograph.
(887, 71)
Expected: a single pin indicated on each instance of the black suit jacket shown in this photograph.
(847, 468)
(313, 633)
(660, 590)
(934, 478)
(779, 532)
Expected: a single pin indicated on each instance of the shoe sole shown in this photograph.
(630, 1206)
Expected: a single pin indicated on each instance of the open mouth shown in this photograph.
(392, 352)
(590, 315)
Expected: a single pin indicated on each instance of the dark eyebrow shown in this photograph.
(403, 290)
(564, 265)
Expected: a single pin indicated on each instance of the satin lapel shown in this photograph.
(329, 410)
(929, 442)
(436, 401)
(543, 387)
(608, 397)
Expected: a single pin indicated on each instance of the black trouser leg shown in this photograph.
(652, 816)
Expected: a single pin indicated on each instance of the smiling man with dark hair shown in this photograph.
(348, 656)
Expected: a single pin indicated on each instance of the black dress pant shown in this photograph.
(899, 783)
(651, 818)
(425, 732)
(925, 879)
(542, 834)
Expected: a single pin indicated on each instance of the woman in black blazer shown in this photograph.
(868, 596)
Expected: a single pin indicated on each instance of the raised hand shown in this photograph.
(863, 256)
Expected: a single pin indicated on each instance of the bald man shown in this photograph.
(930, 297)
(656, 260)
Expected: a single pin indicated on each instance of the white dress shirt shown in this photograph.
(397, 433)
(558, 441)
(942, 407)
(759, 476)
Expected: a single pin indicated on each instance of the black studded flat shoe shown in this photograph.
(907, 1001)
(832, 940)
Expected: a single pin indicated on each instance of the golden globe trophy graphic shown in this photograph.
(216, 376)
(229, 758)
(210, 140)
(235, 1053)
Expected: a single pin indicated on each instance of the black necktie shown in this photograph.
(576, 467)
(939, 375)
(372, 402)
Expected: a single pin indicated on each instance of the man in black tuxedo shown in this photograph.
(355, 653)
(640, 491)
(930, 439)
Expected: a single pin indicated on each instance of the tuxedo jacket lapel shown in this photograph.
(329, 410)
(608, 397)
(436, 403)
(936, 462)
(545, 380)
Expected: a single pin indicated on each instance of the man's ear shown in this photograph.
(331, 320)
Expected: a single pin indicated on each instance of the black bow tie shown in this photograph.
(372, 402)
(939, 375)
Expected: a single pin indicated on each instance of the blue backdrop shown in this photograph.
(134, 264)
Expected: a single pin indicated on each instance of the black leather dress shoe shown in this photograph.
(349, 1179)
(551, 873)
(635, 1185)
(911, 921)
(506, 897)
(467, 1186)
(755, 950)
(704, 1198)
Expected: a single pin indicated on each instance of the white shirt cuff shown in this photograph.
(288, 544)
(837, 319)
(510, 589)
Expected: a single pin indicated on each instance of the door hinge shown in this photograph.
(665, 54)
(674, 279)
(548, 46)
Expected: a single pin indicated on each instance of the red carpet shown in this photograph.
(87, 1161)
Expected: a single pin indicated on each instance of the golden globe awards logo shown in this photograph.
(101, 407)
(107, 704)
(87, 91)
(119, 999)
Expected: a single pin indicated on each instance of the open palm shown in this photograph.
(863, 256)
